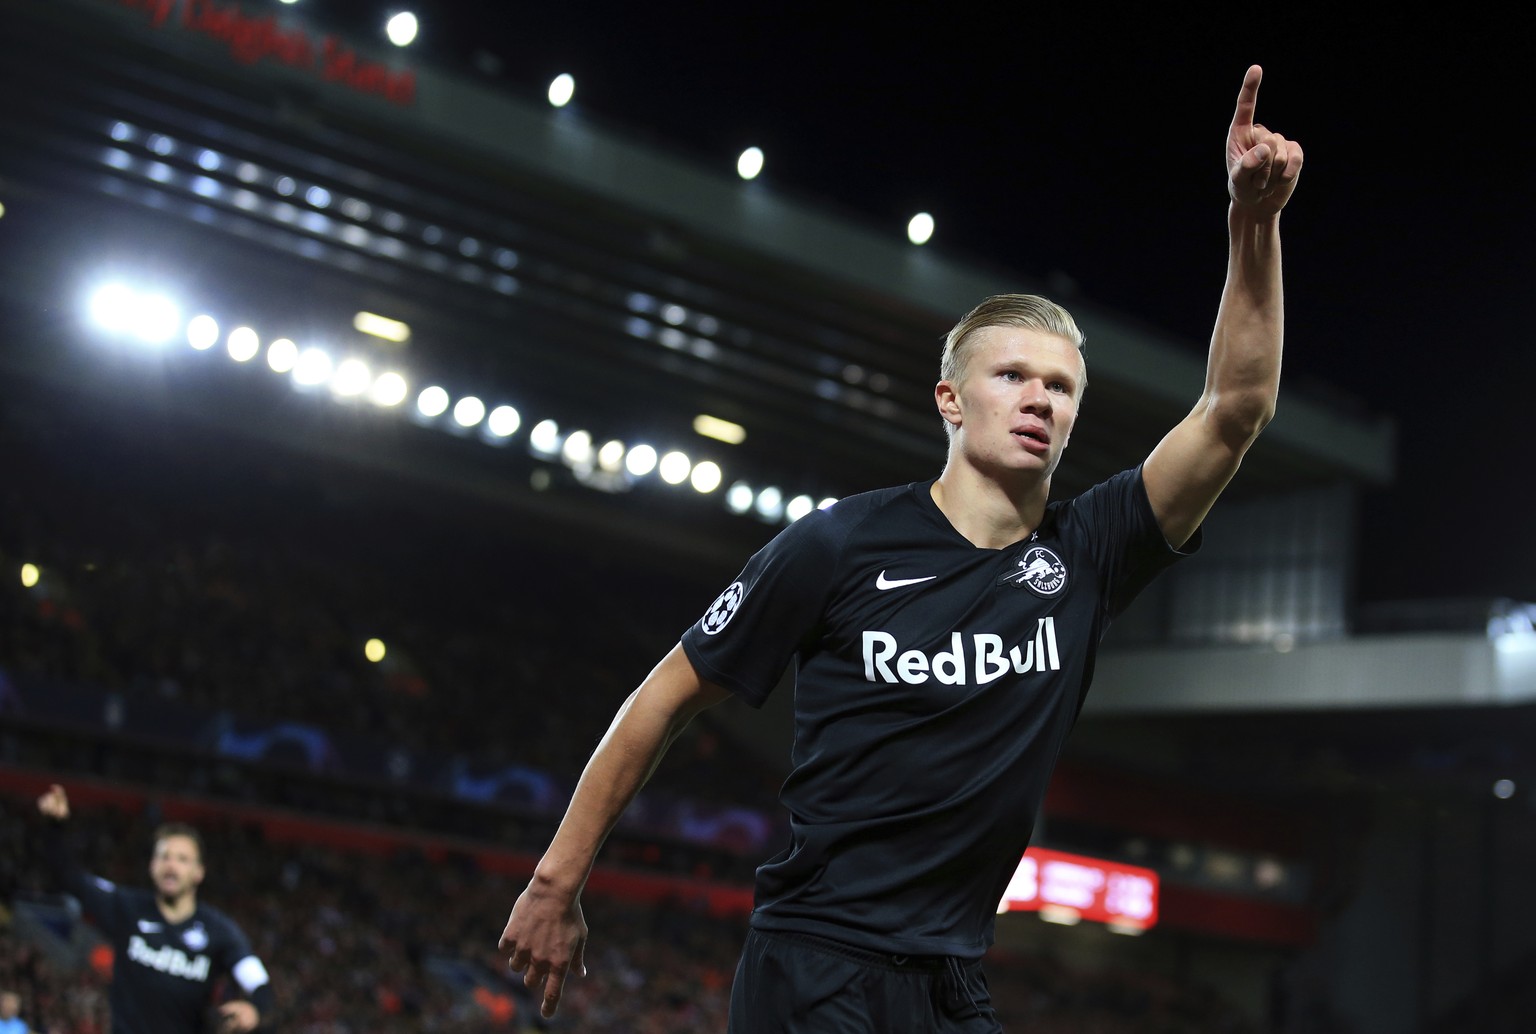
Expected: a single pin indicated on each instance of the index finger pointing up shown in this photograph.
(1247, 98)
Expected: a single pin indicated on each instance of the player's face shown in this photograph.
(175, 868)
(1016, 401)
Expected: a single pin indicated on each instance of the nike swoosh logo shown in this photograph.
(895, 583)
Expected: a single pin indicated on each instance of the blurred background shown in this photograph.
(384, 392)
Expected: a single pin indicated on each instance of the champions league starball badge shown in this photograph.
(722, 610)
(1040, 571)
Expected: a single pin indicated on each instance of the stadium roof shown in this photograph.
(290, 179)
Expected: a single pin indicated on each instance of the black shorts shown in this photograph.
(794, 983)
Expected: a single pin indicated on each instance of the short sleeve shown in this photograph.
(753, 629)
(1128, 546)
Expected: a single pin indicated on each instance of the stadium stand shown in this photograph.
(396, 943)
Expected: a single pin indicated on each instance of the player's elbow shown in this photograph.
(1237, 418)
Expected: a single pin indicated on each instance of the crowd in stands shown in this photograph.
(253, 604)
(358, 944)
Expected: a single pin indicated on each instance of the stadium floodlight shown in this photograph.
(562, 89)
(720, 430)
(577, 449)
(202, 332)
(374, 650)
(111, 307)
(610, 458)
(1504, 789)
(544, 439)
(313, 367)
(29, 575)
(389, 389)
(382, 326)
(318, 197)
(152, 318)
(155, 319)
(282, 354)
(750, 163)
(705, 477)
(828, 501)
(640, 461)
(2, 209)
(738, 498)
(402, 28)
(432, 402)
(352, 378)
(503, 422)
(798, 507)
(920, 228)
(770, 503)
(468, 411)
(243, 344)
(674, 468)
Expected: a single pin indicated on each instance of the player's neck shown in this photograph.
(988, 514)
(178, 909)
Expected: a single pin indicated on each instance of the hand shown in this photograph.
(545, 939)
(1261, 166)
(54, 804)
(238, 1017)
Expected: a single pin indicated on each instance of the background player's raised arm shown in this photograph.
(1195, 461)
(546, 934)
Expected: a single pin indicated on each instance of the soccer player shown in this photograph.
(944, 634)
(168, 947)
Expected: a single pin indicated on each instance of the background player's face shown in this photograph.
(1016, 401)
(176, 867)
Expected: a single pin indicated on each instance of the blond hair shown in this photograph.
(1006, 310)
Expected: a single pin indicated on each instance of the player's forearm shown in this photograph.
(63, 864)
(621, 765)
(1243, 370)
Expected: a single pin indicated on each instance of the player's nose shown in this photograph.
(1034, 397)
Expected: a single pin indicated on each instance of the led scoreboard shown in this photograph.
(1068, 888)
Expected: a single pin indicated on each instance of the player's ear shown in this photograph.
(947, 399)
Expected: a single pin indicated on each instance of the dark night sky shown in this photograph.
(1090, 144)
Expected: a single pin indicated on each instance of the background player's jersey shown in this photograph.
(164, 974)
(936, 683)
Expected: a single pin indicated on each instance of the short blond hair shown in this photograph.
(1007, 310)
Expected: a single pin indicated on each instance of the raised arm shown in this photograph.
(546, 935)
(1195, 461)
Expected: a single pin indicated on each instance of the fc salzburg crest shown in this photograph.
(1040, 571)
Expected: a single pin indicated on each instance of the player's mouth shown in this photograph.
(1033, 440)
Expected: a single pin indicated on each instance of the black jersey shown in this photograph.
(164, 974)
(936, 682)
